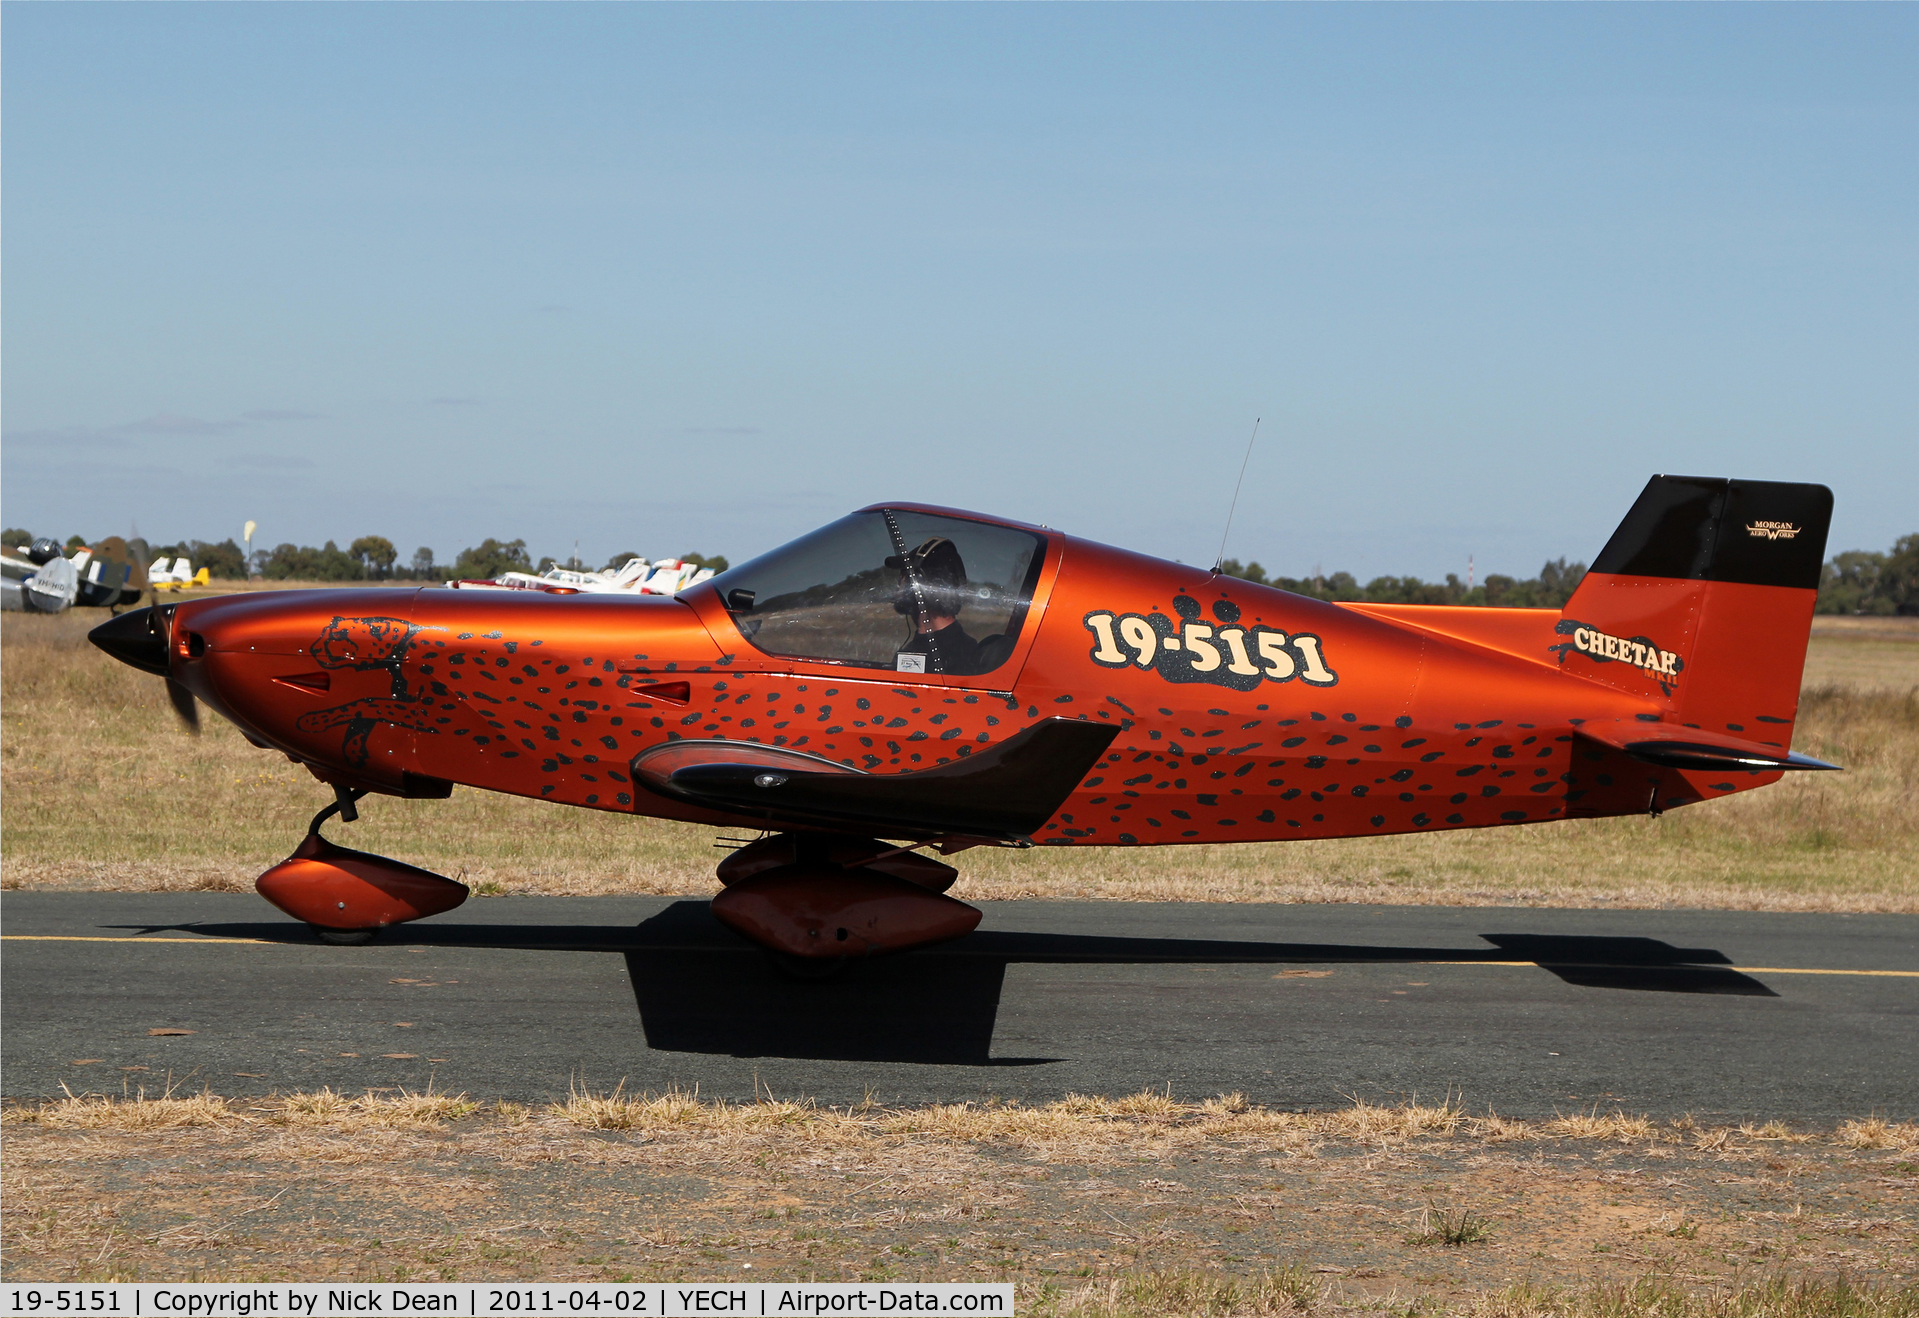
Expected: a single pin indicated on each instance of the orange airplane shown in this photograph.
(912, 678)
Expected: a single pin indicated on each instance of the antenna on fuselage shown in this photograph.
(1219, 559)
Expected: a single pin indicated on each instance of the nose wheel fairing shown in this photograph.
(345, 894)
(333, 887)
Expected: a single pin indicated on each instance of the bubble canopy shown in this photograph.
(891, 588)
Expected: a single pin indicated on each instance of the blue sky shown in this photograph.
(663, 278)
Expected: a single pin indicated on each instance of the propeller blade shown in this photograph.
(184, 705)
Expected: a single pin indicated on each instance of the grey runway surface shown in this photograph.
(1529, 1011)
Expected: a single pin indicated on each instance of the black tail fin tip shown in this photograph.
(1702, 528)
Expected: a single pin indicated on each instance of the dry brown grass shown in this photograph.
(1181, 1293)
(1862, 652)
(1137, 1204)
(1662, 1296)
(1878, 1133)
(1594, 1126)
(405, 1109)
(676, 1110)
(98, 789)
(322, 1108)
(98, 1112)
(1077, 1126)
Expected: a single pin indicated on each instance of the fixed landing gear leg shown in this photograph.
(348, 896)
(346, 802)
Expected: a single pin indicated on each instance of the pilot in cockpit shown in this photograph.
(941, 586)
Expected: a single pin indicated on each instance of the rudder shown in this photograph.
(1702, 601)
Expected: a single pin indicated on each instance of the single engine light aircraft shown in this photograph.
(912, 678)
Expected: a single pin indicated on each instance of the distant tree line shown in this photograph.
(1857, 581)
(1549, 590)
(1863, 581)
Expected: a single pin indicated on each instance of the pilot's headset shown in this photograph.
(936, 567)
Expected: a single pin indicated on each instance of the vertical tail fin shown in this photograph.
(1702, 600)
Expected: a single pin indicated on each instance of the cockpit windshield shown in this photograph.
(905, 591)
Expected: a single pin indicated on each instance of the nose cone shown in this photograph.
(138, 638)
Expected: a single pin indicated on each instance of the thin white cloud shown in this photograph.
(169, 423)
(44, 468)
(272, 461)
(160, 423)
(88, 437)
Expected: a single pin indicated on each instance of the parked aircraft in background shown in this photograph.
(665, 576)
(912, 677)
(112, 577)
(175, 577)
(39, 578)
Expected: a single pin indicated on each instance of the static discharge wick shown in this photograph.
(1219, 559)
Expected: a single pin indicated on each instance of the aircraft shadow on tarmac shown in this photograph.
(700, 988)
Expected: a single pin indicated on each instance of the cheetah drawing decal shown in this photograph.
(367, 644)
(913, 677)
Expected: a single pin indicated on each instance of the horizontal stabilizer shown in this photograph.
(1007, 791)
(1673, 746)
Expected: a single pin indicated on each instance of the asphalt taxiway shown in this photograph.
(1723, 1014)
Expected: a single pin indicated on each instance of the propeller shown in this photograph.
(184, 705)
(140, 639)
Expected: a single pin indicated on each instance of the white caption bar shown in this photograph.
(468, 1300)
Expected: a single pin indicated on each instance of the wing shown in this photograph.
(1005, 793)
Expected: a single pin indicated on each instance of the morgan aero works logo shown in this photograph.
(1772, 530)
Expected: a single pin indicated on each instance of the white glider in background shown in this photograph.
(636, 576)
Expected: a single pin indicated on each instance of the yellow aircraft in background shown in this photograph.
(177, 577)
